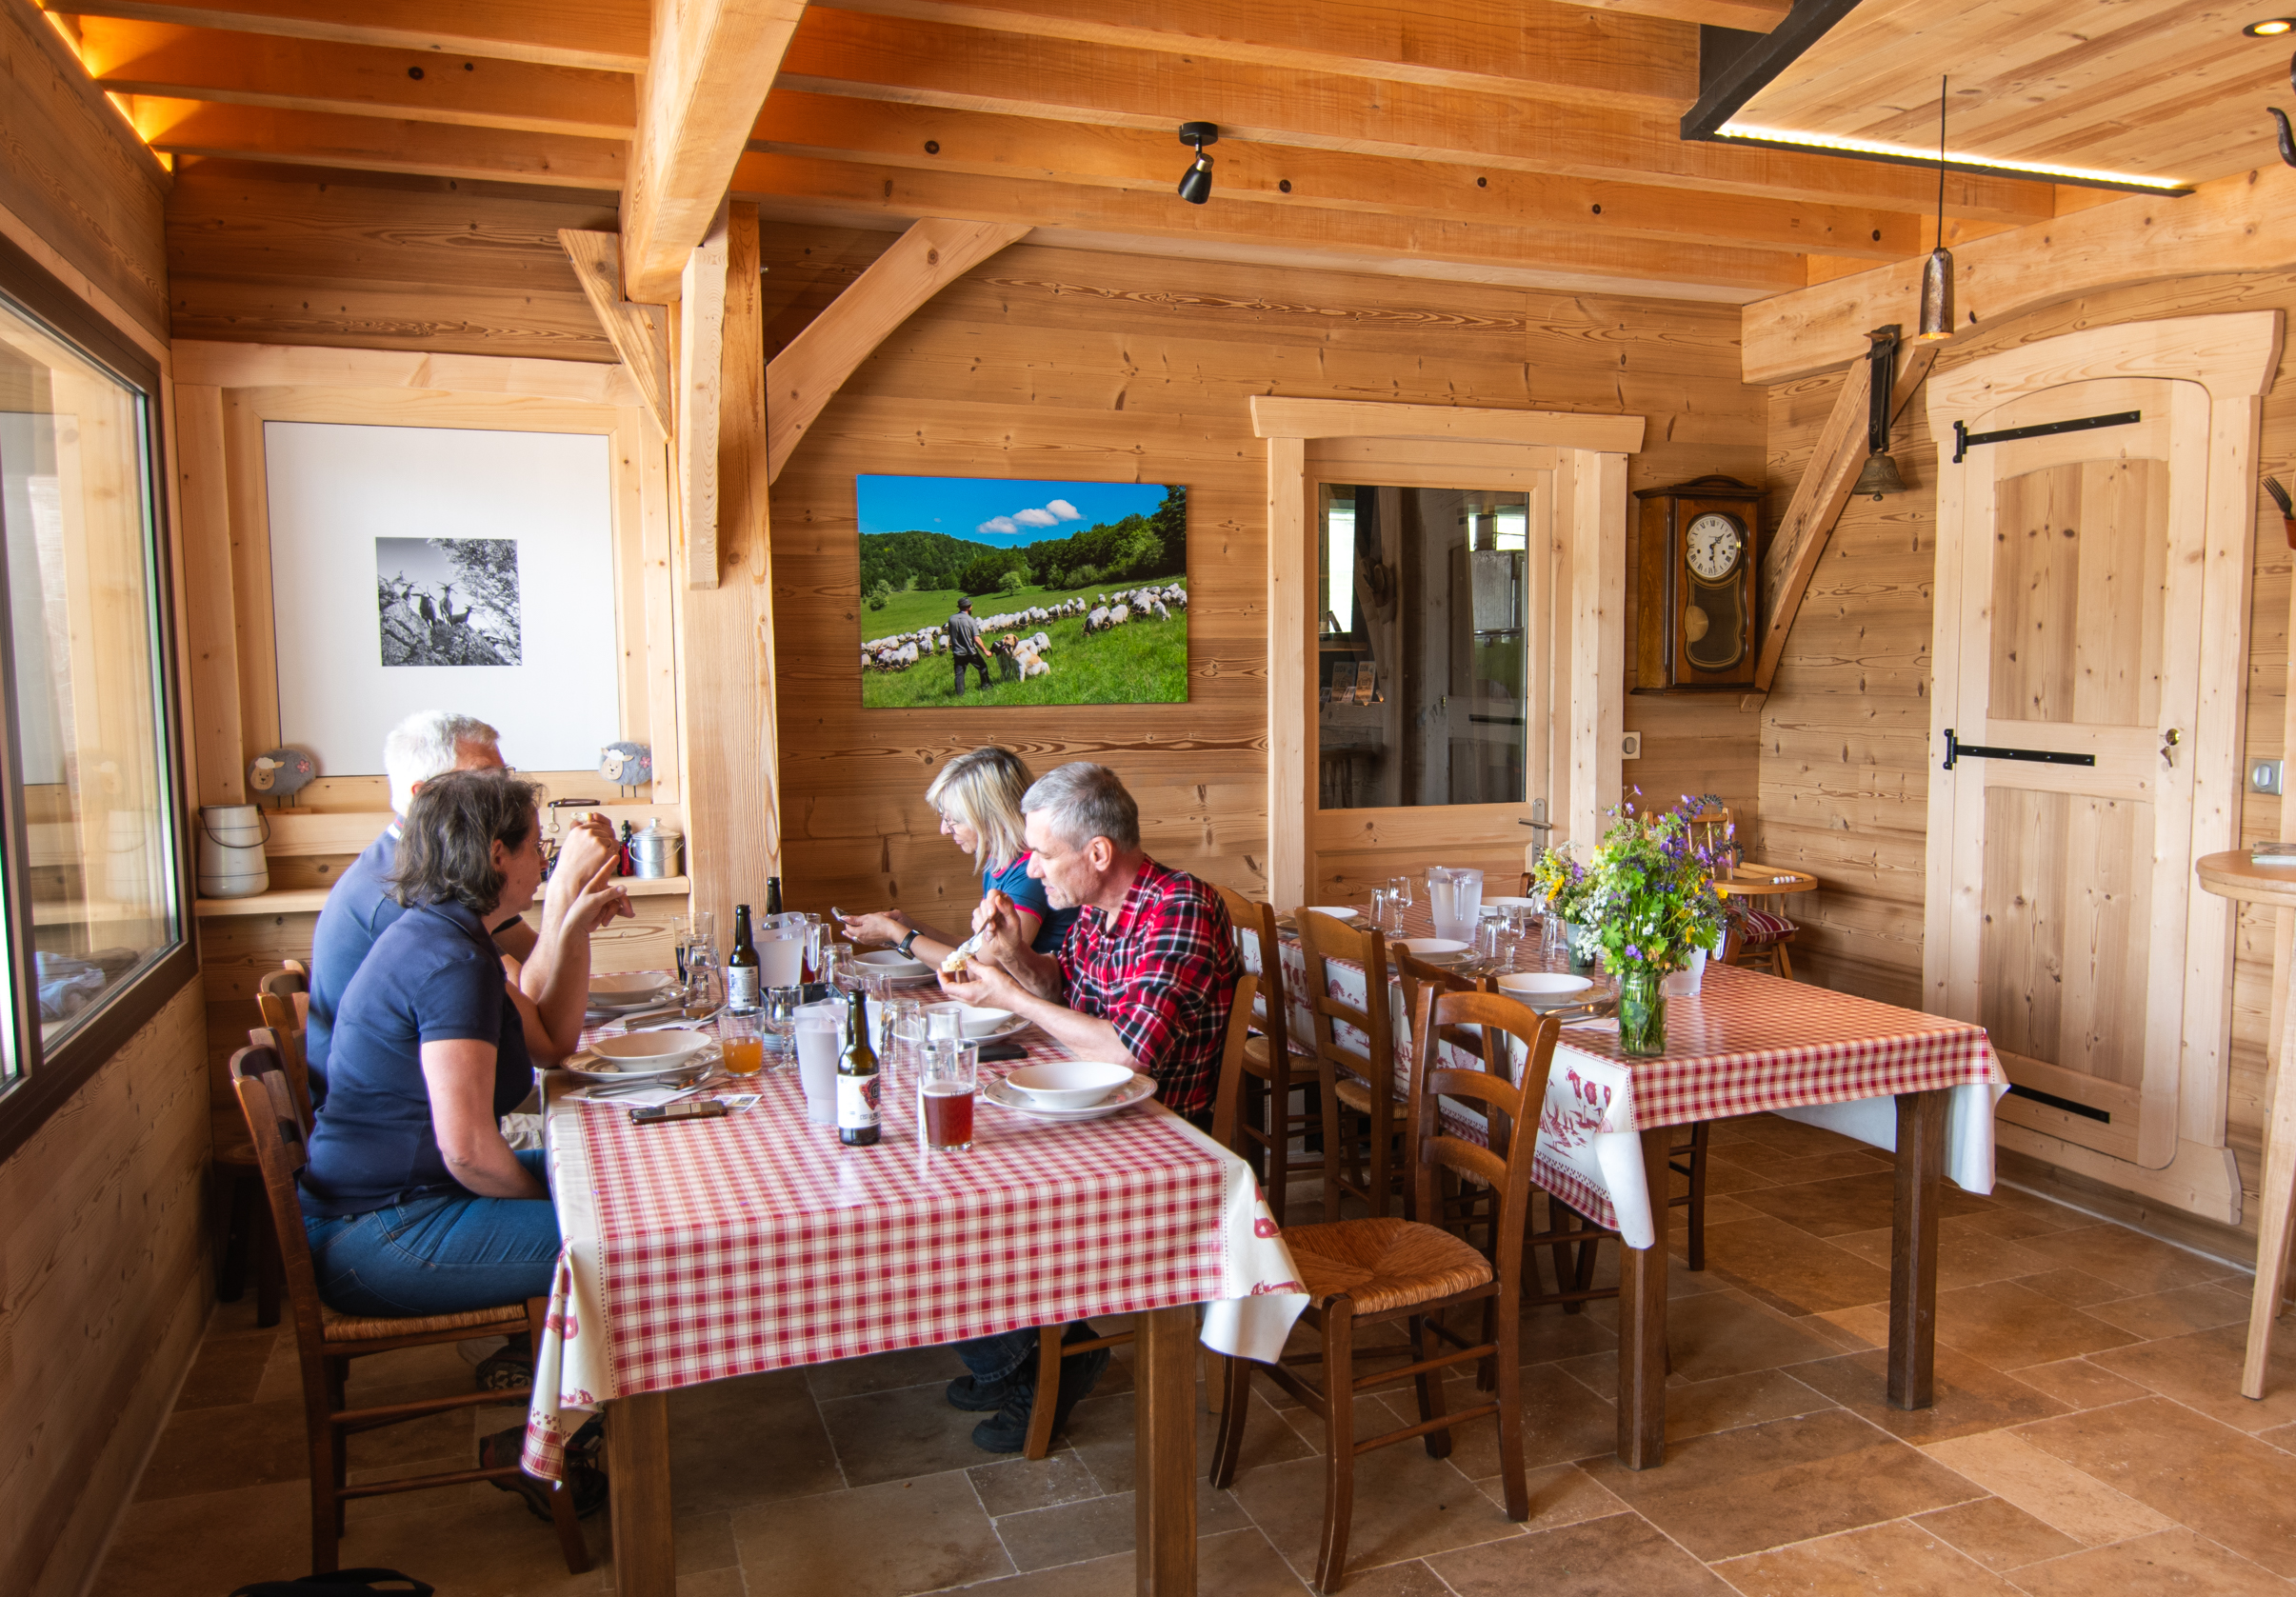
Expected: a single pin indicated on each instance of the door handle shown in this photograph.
(2170, 739)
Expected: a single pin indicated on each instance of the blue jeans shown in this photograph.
(1007, 1353)
(445, 1253)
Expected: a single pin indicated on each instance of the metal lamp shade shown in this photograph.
(1937, 296)
(1195, 183)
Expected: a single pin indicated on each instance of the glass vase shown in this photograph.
(1642, 1013)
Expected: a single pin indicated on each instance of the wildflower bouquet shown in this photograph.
(1649, 893)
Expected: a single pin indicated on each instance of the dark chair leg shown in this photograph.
(571, 1546)
(1698, 1196)
(238, 1203)
(1228, 1448)
(1339, 1442)
(1425, 1346)
(1559, 1216)
(270, 1270)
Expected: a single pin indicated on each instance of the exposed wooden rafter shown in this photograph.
(706, 74)
(807, 374)
(701, 341)
(606, 35)
(1752, 16)
(308, 138)
(640, 334)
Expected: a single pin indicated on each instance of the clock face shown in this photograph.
(1712, 546)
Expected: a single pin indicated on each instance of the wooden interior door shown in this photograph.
(2073, 744)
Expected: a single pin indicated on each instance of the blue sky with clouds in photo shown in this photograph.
(1007, 512)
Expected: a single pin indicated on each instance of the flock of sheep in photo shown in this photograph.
(1018, 657)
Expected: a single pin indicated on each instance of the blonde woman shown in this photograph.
(978, 796)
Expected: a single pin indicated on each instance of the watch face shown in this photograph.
(1712, 546)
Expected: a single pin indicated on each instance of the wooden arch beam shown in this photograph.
(807, 375)
(640, 334)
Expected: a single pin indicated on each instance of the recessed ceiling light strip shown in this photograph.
(1754, 134)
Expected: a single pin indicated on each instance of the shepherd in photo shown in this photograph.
(965, 644)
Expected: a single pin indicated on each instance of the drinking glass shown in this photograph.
(1380, 909)
(944, 1022)
(678, 938)
(820, 1029)
(948, 1076)
(780, 1011)
(739, 1042)
(816, 937)
(892, 1013)
(1399, 897)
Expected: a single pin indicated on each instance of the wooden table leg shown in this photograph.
(2272, 1218)
(1641, 1322)
(637, 1461)
(1164, 1417)
(1921, 1178)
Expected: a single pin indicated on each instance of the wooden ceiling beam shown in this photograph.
(707, 73)
(603, 35)
(377, 144)
(130, 57)
(640, 334)
(836, 127)
(1752, 16)
(1568, 260)
(919, 63)
(1533, 48)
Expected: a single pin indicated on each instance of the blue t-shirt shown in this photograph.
(434, 975)
(1027, 893)
(359, 908)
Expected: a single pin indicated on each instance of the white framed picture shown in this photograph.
(420, 568)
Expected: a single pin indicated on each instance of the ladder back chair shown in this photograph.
(327, 1341)
(1277, 1062)
(1050, 1349)
(1379, 1270)
(1362, 1109)
(1758, 938)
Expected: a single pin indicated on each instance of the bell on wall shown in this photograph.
(1880, 476)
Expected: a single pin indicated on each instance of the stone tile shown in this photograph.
(712, 1583)
(2010, 1327)
(2176, 1311)
(879, 1372)
(2229, 1486)
(2168, 1564)
(1726, 1175)
(2046, 1487)
(1970, 1396)
(1095, 1527)
(702, 1541)
(1407, 1506)
(231, 1538)
(920, 1536)
(901, 1433)
(1997, 1533)
(1101, 1433)
(717, 1459)
(1738, 1128)
(1721, 1208)
(1702, 1407)
(1019, 1485)
(228, 1370)
(2201, 1369)
(221, 1450)
(1897, 1558)
(1725, 1333)
(1791, 1269)
(1964, 1258)
(1829, 1167)
(1412, 1579)
(1548, 1333)
(1787, 1481)
(2283, 1437)
(2079, 1384)
(494, 1549)
(2066, 1284)
(2115, 1254)
(1560, 1494)
(1236, 1564)
(1852, 1203)
(1596, 1558)
(282, 1375)
(1842, 1338)
(436, 1368)
(1794, 1140)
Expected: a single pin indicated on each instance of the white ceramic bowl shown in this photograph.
(653, 1050)
(977, 1022)
(629, 987)
(1337, 912)
(1510, 903)
(1068, 1084)
(1545, 990)
(1426, 945)
(892, 960)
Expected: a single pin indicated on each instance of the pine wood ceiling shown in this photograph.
(1529, 141)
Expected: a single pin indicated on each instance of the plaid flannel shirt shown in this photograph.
(1162, 970)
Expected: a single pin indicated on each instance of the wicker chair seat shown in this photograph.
(1383, 1264)
(1356, 1093)
(478, 1322)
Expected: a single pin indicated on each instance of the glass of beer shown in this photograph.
(947, 1076)
(739, 1042)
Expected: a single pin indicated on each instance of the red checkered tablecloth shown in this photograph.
(703, 1250)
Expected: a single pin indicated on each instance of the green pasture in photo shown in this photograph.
(1143, 662)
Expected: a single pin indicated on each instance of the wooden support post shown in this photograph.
(1921, 1178)
(732, 795)
(1292, 672)
(640, 334)
(1163, 1419)
(701, 341)
(1642, 1321)
(637, 1460)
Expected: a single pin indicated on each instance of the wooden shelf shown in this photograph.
(310, 901)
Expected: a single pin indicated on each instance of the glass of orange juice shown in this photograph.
(739, 1041)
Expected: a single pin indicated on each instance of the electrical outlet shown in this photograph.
(1634, 749)
(2265, 776)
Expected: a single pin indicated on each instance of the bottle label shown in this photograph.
(856, 1102)
(741, 985)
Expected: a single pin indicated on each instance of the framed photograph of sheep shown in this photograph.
(1005, 591)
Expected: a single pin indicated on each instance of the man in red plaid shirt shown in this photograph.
(1144, 978)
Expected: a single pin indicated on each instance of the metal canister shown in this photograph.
(656, 851)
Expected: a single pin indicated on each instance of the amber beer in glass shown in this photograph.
(739, 1043)
(946, 1083)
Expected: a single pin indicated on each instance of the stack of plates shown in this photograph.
(628, 991)
(889, 961)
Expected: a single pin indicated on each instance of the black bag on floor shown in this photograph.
(343, 1583)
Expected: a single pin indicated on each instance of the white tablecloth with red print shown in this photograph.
(1746, 1044)
(703, 1250)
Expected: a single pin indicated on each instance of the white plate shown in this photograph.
(887, 962)
(1138, 1090)
(627, 987)
(1510, 903)
(1545, 990)
(583, 1067)
(1338, 912)
(1425, 947)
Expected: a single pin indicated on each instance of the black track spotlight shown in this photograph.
(1195, 183)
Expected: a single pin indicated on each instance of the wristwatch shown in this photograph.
(903, 945)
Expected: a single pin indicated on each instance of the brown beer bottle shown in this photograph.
(857, 1119)
(744, 972)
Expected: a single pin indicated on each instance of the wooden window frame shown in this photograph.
(48, 1077)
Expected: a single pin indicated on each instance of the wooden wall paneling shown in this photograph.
(250, 498)
(647, 457)
(1291, 632)
(210, 631)
(1598, 640)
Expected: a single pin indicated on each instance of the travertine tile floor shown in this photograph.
(2090, 1437)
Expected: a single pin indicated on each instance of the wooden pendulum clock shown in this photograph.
(1699, 557)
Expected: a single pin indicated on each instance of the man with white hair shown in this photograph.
(359, 907)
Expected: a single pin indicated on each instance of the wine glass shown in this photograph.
(1399, 897)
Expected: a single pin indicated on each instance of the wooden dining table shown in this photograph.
(1747, 1044)
(707, 1250)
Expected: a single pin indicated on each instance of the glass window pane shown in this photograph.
(1423, 647)
(75, 509)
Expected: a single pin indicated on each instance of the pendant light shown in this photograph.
(1937, 274)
